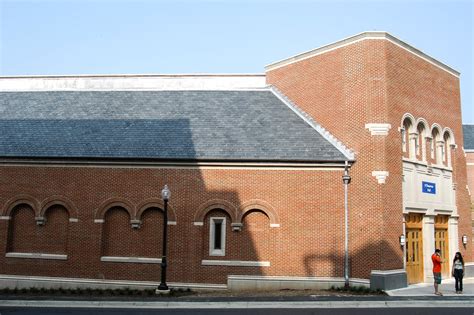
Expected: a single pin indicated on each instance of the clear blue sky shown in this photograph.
(105, 36)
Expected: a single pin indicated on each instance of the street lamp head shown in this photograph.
(402, 240)
(346, 179)
(464, 240)
(166, 193)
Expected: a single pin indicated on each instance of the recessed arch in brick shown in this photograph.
(114, 202)
(261, 205)
(407, 117)
(436, 131)
(61, 201)
(155, 203)
(212, 205)
(422, 124)
(448, 136)
(18, 200)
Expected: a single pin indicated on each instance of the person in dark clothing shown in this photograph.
(458, 271)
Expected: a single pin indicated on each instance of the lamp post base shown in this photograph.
(162, 291)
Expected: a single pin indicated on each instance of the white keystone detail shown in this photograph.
(380, 176)
(378, 129)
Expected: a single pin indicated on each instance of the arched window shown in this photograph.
(448, 145)
(437, 145)
(409, 136)
(420, 144)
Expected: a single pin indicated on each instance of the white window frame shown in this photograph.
(212, 231)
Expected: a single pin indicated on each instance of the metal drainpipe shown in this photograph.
(346, 179)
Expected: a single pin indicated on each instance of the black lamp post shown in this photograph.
(346, 178)
(165, 194)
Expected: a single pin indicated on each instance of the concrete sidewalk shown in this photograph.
(427, 289)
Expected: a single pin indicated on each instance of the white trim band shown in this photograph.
(235, 263)
(134, 260)
(378, 129)
(4, 217)
(36, 256)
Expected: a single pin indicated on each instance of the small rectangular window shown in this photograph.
(217, 236)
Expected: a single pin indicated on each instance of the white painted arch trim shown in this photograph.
(378, 35)
(235, 263)
(36, 256)
(135, 260)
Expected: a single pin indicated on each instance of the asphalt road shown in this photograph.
(332, 311)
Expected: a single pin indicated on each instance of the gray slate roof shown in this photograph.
(173, 125)
(468, 132)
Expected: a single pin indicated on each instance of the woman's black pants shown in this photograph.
(458, 274)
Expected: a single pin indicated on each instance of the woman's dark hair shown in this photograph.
(460, 257)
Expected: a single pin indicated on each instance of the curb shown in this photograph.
(238, 305)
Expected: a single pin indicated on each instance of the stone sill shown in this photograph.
(36, 256)
(134, 260)
(235, 263)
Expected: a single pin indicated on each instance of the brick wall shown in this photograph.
(308, 203)
(376, 81)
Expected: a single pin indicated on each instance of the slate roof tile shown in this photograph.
(176, 125)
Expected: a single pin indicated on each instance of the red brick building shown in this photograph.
(254, 164)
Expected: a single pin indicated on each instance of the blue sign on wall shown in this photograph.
(428, 188)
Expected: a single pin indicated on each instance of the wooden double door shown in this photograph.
(414, 248)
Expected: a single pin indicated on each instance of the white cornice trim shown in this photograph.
(136, 75)
(310, 121)
(132, 82)
(173, 165)
(357, 38)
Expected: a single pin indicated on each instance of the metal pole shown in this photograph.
(163, 286)
(347, 179)
(404, 245)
